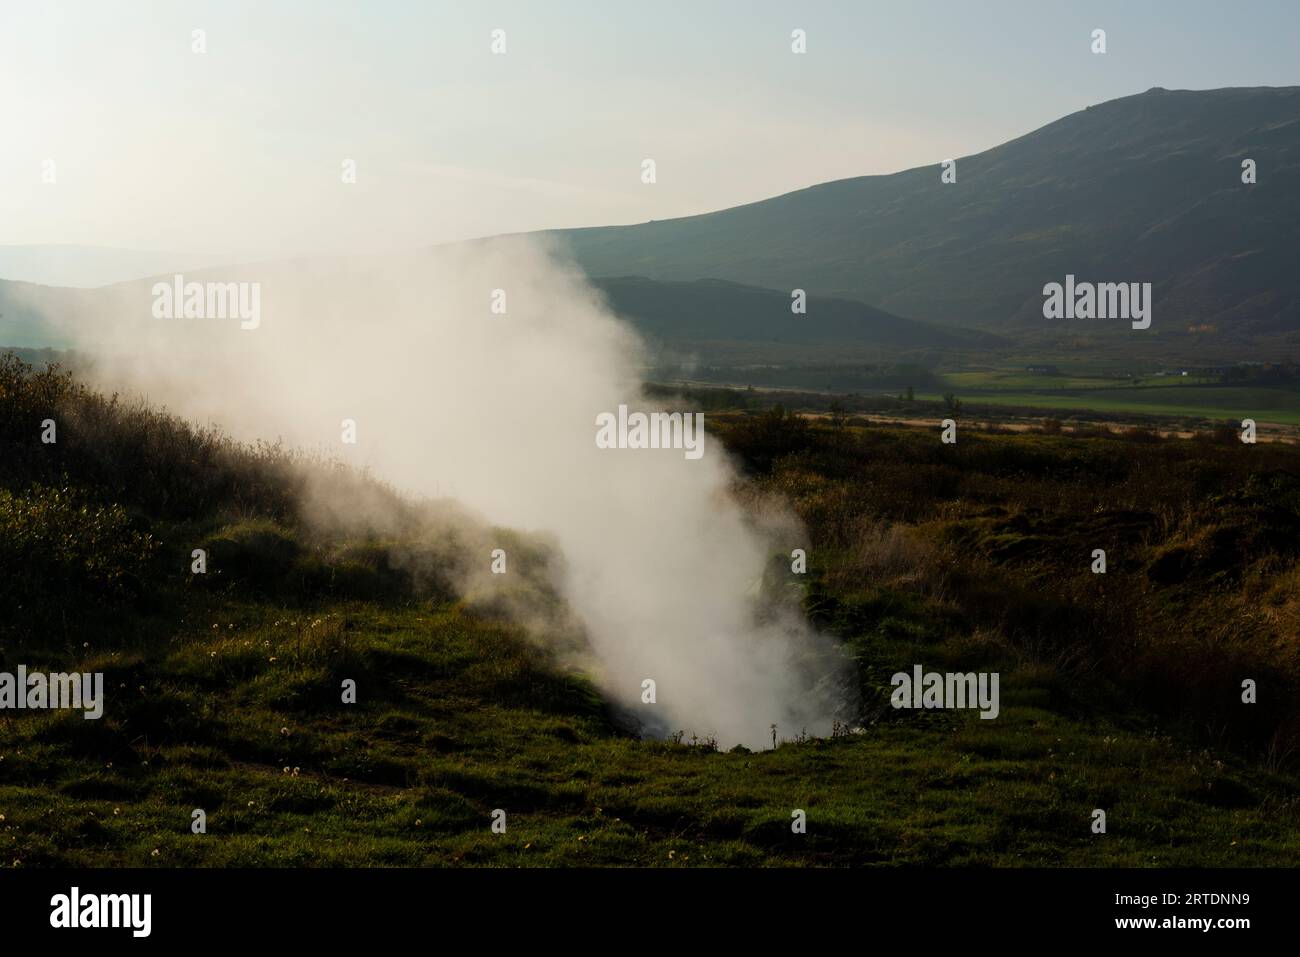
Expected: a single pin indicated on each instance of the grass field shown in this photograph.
(1195, 398)
(1018, 381)
(1188, 397)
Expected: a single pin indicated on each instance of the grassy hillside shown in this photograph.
(1143, 188)
(1119, 691)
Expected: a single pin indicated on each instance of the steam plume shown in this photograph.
(659, 563)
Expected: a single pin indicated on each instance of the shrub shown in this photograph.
(55, 539)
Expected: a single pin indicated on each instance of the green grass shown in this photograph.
(457, 717)
(1280, 405)
(1092, 389)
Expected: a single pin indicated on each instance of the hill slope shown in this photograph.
(1143, 188)
(712, 310)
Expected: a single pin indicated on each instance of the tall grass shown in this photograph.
(996, 535)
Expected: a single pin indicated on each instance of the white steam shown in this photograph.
(660, 564)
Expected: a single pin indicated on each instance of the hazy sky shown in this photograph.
(239, 149)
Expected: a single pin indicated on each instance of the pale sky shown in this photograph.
(240, 149)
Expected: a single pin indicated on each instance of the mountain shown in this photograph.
(1143, 188)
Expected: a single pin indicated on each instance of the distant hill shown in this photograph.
(26, 310)
(709, 318)
(86, 267)
(713, 311)
(47, 291)
(1143, 188)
